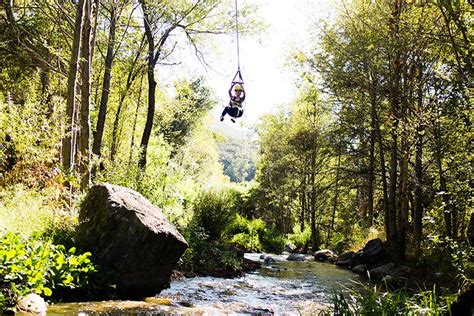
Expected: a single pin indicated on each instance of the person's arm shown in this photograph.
(243, 95)
(230, 90)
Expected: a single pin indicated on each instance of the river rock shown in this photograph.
(379, 272)
(372, 255)
(32, 303)
(401, 272)
(345, 259)
(131, 237)
(325, 255)
(290, 247)
(269, 260)
(296, 257)
(360, 269)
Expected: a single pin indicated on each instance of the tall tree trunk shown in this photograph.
(371, 171)
(132, 75)
(336, 197)
(68, 147)
(448, 210)
(109, 58)
(418, 199)
(303, 198)
(403, 214)
(84, 135)
(383, 170)
(314, 233)
(134, 128)
(151, 90)
(395, 97)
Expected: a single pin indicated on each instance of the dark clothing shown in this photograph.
(234, 109)
(234, 112)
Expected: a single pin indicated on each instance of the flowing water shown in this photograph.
(283, 288)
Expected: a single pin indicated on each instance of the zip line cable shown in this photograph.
(237, 34)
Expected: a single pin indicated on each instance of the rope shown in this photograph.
(237, 35)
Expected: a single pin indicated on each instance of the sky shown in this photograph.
(269, 82)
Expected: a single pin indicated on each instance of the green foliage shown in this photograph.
(185, 112)
(37, 265)
(272, 241)
(453, 258)
(300, 239)
(373, 301)
(213, 211)
(29, 134)
(253, 235)
(246, 233)
(26, 210)
(207, 256)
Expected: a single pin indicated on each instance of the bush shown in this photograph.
(300, 239)
(206, 256)
(272, 241)
(454, 258)
(253, 235)
(214, 211)
(37, 265)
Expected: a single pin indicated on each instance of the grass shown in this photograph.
(370, 301)
(25, 211)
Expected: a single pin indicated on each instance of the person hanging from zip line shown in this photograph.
(235, 109)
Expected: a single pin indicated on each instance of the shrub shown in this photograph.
(206, 256)
(247, 241)
(214, 211)
(38, 265)
(300, 238)
(272, 241)
(253, 235)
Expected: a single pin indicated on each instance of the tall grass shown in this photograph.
(372, 301)
(24, 210)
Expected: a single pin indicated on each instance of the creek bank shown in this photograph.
(375, 264)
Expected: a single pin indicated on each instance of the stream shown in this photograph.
(284, 288)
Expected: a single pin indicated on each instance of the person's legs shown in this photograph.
(226, 111)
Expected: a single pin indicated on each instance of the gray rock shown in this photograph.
(263, 257)
(360, 269)
(32, 303)
(130, 236)
(296, 257)
(269, 260)
(373, 254)
(325, 255)
(345, 259)
(290, 247)
(400, 272)
(379, 272)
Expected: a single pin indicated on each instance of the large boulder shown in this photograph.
(325, 255)
(130, 237)
(374, 254)
(345, 260)
(379, 272)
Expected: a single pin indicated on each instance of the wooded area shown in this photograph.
(377, 143)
